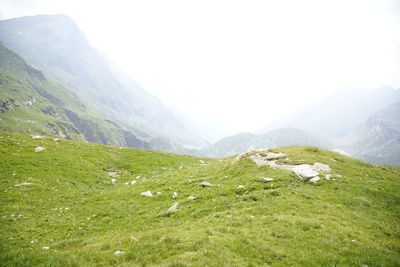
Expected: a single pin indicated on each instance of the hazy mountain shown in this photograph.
(334, 116)
(377, 139)
(29, 102)
(243, 142)
(55, 45)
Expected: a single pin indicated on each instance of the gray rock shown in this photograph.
(118, 252)
(174, 207)
(147, 194)
(240, 187)
(315, 179)
(37, 137)
(174, 195)
(266, 179)
(38, 149)
(328, 176)
(321, 167)
(24, 183)
(305, 171)
(192, 197)
(205, 184)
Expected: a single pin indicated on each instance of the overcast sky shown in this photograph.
(236, 65)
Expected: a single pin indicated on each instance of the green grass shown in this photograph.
(350, 221)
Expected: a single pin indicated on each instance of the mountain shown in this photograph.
(333, 117)
(81, 204)
(29, 102)
(243, 142)
(55, 45)
(377, 139)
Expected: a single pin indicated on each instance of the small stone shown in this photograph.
(180, 167)
(205, 184)
(133, 182)
(266, 179)
(192, 197)
(174, 195)
(113, 181)
(147, 194)
(39, 148)
(328, 176)
(240, 187)
(56, 139)
(158, 193)
(315, 179)
(24, 183)
(46, 248)
(305, 171)
(134, 239)
(37, 137)
(321, 167)
(174, 207)
(118, 252)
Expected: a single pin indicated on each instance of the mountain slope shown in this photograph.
(54, 44)
(243, 142)
(29, 102)
(74, 204)
(377, 139)
(334, 116)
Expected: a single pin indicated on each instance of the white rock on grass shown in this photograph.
(174, 207)
(205, 184)
(118, 252)
(39, 148)
(174, 195)
(113, 181)
(240, 186)
(46, 248)
(147, 194)
(134, 239)
(192, 197)
(37, 137)
(133, 182)
(321, 167)
(24, 183)
(266, 179)
(305, 171)
(158, 193)
(315, 179)
(328, 176)
(56, 139)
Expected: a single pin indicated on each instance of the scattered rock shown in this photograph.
(305, 171)
(191, 197)
(201, 161)
(321, 167)
(174, 207)
(328, 176)
(56, 139)
(118, 252)
(24, 183)
(174, 195)
(240, 187)
(133, 182)
(266, 179)
(158, 193)
(112, 173)
(113, 181)
(37, 137)
(46, 248)
(180, 167)
(315, 179)
(205, 184)
(39, 148)
(147, 194)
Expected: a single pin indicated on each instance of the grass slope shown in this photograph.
(73, 208)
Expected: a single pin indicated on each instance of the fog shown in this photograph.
(233, 66)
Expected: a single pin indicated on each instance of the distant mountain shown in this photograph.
(56, 46)
(334, 116)
(377, 139)
(243, 142)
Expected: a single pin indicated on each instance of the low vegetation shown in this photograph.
(76, 204)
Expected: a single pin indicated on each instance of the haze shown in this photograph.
(233, 66)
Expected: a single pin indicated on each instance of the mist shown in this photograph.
(235, 66)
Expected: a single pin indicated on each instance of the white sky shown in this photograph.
(235, 65)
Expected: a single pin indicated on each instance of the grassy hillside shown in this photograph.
(60, 207)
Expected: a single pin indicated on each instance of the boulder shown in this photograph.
(315, 179)
(321, 167)
(305, 171)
